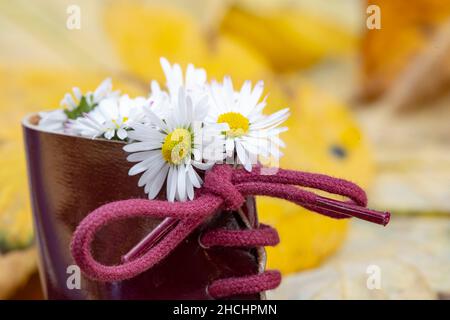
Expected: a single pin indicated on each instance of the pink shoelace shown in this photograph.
(224, 188)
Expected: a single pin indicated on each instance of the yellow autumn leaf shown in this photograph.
(153, 31)
(288, 39)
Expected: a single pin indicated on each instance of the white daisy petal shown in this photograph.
(201, 109)
(181, 180)
(77, 93)
(68, 101)
(256, 113)
(143, 165)
(256, 93)
(135, 135)
(141, 146)
(122, 134)
(243, 159)
(147, 134)
(189, 189)
(141, 156)
(53, 120)
(158, 182)
(172, 184)
(201, 165)
(229, 147)
(254, 146)
(155, 120)
(167, 69)
(267, 132)
(194, 178)
(109, 134)
(154, 168)
(274, 119)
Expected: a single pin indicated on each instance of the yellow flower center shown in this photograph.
(177, 146)
(237, 122)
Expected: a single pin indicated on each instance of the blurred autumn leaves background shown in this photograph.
(371, 106)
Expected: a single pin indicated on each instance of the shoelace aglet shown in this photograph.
(353, 210)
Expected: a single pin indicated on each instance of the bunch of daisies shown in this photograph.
(176, 133)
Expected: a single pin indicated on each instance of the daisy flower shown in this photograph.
(194, 83)
(74, 105)
(250, 134)
(169, 149)
(103, 91)
(111, 119)
(78, 103)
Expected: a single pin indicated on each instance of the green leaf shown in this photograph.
(83, 107)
